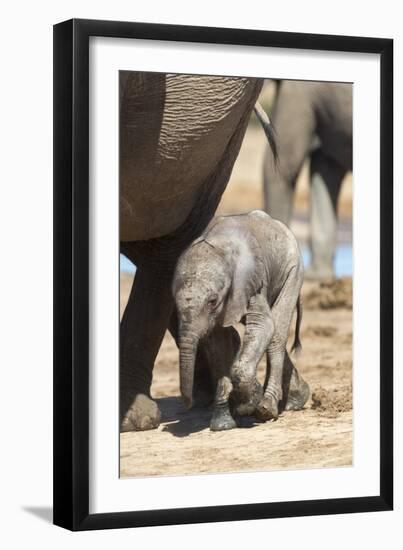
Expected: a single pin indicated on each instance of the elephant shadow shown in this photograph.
(181, 422)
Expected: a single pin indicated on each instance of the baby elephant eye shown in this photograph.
(212, 301)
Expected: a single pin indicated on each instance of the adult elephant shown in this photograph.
(179, 138)
(312, 120)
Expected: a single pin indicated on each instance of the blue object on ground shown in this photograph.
(126, 265)
(343, 260)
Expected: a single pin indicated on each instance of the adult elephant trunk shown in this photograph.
(188, 344)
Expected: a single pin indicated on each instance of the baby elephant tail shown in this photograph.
(297, 342)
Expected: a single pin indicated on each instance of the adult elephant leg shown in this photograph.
(204, 382)
(278, 190)
(294, 122)
(326, 178)
(142, 329)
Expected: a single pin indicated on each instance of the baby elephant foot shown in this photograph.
(245, 409)
(246, 400)
(267, 409)
(298, 397)
(222, 419)
(143, 414)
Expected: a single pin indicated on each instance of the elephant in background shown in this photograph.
(179, 138)
(244, 268)
(312, 120)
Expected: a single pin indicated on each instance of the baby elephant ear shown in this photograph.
(246, 281)
(203, 236)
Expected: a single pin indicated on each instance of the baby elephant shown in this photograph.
(244, 268)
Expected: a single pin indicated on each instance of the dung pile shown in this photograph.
(332, 402)
(337, 293)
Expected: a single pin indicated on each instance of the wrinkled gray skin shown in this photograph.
(179, 138)
(244, 268)
(311, 119)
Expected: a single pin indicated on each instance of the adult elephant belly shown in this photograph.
(179, 138)
(335, 123)
(338, 144)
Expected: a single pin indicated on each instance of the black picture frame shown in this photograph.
(71, 274)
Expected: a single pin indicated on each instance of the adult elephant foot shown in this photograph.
(143, 414)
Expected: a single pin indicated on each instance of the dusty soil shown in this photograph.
(318, 436)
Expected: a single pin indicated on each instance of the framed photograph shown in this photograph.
(222, 199)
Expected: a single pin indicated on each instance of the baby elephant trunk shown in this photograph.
(187, 357)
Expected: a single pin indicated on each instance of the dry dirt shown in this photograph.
(318, 436)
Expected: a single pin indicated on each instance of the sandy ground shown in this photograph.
(318, 436)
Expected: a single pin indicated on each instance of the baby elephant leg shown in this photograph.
(282, 311)
(258, 333)
(222, 418)
(222, 347)
(268, 408)
(295, 390)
